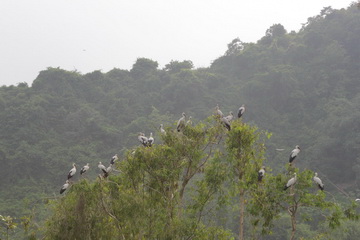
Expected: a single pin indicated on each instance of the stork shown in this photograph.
(189, 122)
(241, 111)
(230, 116)
(162, 130)
(114, 159)
(108, 171)
(294, 153)
(181, 122)
(318, 181)
(65, 186)
(72, 172)
(143, 139)
(84, 169)
(218, 112)
(226, 123)
(102, 168)
(291, 182)
(261, 173)
(151, 140)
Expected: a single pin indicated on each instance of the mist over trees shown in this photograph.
(302, 88)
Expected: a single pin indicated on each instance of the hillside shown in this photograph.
(303, 87)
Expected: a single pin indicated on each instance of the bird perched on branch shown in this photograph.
(143, 139)
(261, 173)
(294, 153)
(84, 169)
(72, 172)
(241, 111)
(114, 159)
(318, 181)
(291, 182)
(65, 186)
(181, 122)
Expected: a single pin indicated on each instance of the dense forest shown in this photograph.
(299, 88)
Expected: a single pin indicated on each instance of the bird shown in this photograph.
(218, 111)
(114, 159)
(357, 200)
(143, 139)
(230, 116)
(241, 111)
(181, 122)
(102, 168)
(162, 130)
(189, 122)
(226, 123)
(65, 186)
(261, 173)
(294, 153)
(108, 171)
(291, 182)
(318, 181)
(72, 172)
(150, 140)
(84, 169)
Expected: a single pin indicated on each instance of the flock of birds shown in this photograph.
(149, 141)
(105, 171)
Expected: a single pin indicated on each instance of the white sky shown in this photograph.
(89, 35)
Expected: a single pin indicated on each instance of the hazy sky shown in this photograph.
(89, 35)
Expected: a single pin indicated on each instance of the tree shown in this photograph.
(244, 159)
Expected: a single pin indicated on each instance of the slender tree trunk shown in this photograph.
(293, 225)
(242, 211)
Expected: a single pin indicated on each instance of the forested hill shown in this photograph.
(301, 86)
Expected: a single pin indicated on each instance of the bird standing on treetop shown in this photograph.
(162, 130)
(151, 140)
(143, 139)
(318, 181)
(189, 122)
(72, 172)
(114, 159)
(226, 123)
(261, 173)
(181, 122)
(64, 187)
(230, 117)
(84, 169)
(294, 153)
(241, 111)
(218, 112)
(102, 168)
(291, 182)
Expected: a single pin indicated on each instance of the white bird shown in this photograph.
(143, 139)
(162, 130)
(226, 123)
(189, 122)
(72, 172)
(318, 181)
(261, 173)
(84, 169)
(294, 153)
(291, 182)
(230, 116)
(65, 186)
(151, 140)
(358, 199)
(102, 168)
(241, 111)
(114, 159)
(181, 122)
(218, 111)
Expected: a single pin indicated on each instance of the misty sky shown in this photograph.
(89, 35)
